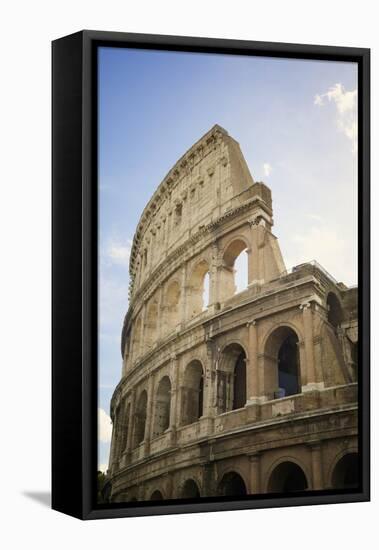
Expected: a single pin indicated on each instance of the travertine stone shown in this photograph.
(220, 419)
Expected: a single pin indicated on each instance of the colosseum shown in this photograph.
(228, 391)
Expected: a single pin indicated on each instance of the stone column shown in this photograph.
(256, 270)
(255, 473)
(252, 380)
(317, 467)
(214, 278)
(183, 295)
(131, 421)
(174, 376)
(253, 263)
(209, 488)
(142, 348)
(311, 378)
(149, 414)
(160, 315)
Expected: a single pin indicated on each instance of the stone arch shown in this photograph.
(344, 473)
(193, 392)
(231, 382)
(151, 323)
(334, 308)
(282, 372)
(232, 484)
(162, 406)
(287, 476)
(190, 489)
(172, 305)
(196, 299)
(230, 280)
(156, 495)
(140, 419)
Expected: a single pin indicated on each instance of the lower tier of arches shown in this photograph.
(308, 466)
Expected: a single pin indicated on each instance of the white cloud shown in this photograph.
(347, 114)
(103, 468)
(119, 252)
(328, 248)
(267, 169)
(104, 426)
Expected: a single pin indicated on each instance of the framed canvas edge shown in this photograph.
(84, 508)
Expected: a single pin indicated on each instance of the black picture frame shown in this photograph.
(74, 271)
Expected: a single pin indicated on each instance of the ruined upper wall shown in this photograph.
(210, 179)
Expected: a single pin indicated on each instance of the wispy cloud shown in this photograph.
(118, 252)
(326, 246)
(267, 169)
(104, 426)
(345, 102)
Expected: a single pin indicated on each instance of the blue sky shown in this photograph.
(296, 124)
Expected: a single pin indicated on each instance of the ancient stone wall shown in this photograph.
(244, 389)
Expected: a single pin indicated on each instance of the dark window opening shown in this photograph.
(239, 382)
(288, 367)
(232, 485)
(288, 477)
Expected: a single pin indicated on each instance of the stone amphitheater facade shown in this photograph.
(257, 391)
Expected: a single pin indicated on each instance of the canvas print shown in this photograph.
(228, 298)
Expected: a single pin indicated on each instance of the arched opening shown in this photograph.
(198, 289)
(192, 393)
(140, 419)
(156, 495)
(335, 315)
(239, 382)
(282, 364)
(162, 406)
(172, 306)
(232, 485)
(231, 379)
(234, 273)
(151, 323)
(345, 474)
(137, 337)
(287, 477)
(190, 489)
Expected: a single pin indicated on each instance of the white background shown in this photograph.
(26, 31)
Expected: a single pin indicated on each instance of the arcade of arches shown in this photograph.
(233, 367)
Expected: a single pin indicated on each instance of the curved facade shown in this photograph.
(225, 392)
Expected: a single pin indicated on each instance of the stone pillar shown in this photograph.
(174, 377)
(208, 390)
(261, 376)
(160, 315)
(256, 268)
(311, 378)
(255, 473)
(317, 466)
(142, 348)
(183, 295)
(131, 421)
(149, 414)
(252, 380)
(214, 278)
(209, 488)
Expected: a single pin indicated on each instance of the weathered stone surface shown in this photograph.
(245, 393)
